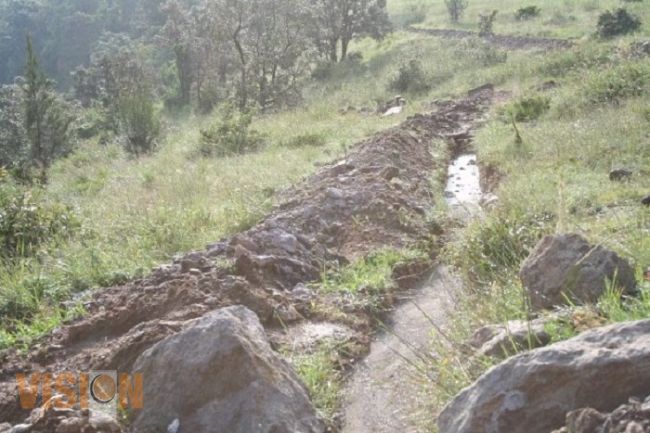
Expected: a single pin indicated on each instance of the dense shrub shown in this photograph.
(410, 78)
(486, 23)
(27, 221)
(328, 70)
(527, 13)
(231, 134)
(627, 80)
(456, 9)
(139, 122)
(615, 23)
(528, 108)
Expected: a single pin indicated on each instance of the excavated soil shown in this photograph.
(505, 41)
(375, 197)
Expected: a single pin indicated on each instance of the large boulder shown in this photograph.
(566, 266)
(220, 375)
(532, 392)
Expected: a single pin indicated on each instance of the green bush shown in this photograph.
(313, 140)
(410, 78)
(230, 135)
(616, 23)
(527, 13)
(27, 221)
(139, 122)
(528, 108)
(623, 81)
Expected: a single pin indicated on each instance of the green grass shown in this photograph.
(319, 371)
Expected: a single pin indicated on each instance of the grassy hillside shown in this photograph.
(134, 214)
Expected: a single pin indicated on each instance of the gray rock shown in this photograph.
(194, 260)
(220, 375)
(500, 341)
(567, 265)
(532, 392)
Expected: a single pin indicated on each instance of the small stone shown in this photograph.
(174, 426)
(334, 193)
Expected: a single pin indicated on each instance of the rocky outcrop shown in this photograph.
(220, 375)
(500, 341)
(566, 266)
(532, 392)
(633, 417)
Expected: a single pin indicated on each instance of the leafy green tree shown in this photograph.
(47, 119)
(13, 138)
(335, 23)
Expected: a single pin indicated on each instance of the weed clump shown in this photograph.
(486, 24)
(230, 135)
(492, 250)
(527, 13)
(410, 78)
(619, 22)
(528, 108)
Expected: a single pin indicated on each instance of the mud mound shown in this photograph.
(505, 41)
(376, 196)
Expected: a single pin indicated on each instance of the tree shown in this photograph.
(178, 34)
(456, 9)
(337, 22)
(47, 120)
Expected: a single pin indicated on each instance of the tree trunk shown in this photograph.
(333, 50)
(183, 69)
(243, 92)
(345, 42)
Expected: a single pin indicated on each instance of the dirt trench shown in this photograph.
(375, 197)
(384, 392)
(505, 41)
